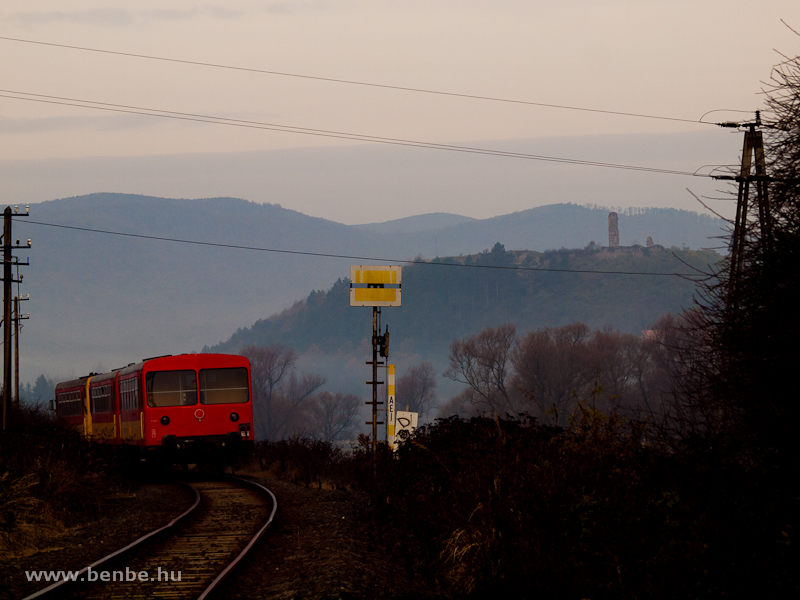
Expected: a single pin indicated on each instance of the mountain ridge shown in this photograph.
(102, 300)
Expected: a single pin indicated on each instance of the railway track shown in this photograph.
(187, 559)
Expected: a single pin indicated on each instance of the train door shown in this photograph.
(117, 413)
(86, 402)
(130, 410)
(103, 410)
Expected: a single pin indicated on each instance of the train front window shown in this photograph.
(223, 386)
(171, 388)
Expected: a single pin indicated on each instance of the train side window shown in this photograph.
(101, 399)
(171, 388)
(125, 394)
(223, 386)
(68, 404)
(129, 394)
(134, 401)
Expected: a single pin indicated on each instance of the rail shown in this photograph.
(204, 545)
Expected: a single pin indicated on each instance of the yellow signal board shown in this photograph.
(375, 285)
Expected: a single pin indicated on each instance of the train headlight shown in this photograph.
(234, 417)
(165, 420)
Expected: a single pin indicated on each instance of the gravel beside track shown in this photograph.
(320, 546)
(122, 518)
(229, 515)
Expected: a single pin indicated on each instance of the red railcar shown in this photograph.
(189, 407)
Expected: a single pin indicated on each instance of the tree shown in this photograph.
(739, 386)
(620, 361)
(482, 361)
(43, 389)
(275, 404)
(552, 367)
(416, 388)
(288, 416)
(333, 416)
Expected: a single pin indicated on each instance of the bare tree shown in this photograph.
(619, 361)
(276, 401)
(268, 366)
(659, 377)
(463, 404)
(333, 416)
(740, 378)
(552, 368)
(482, 361)
(548, 371)
(416, 388)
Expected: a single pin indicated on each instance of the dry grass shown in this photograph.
(49, 477)
(28, 521)
(303, 461)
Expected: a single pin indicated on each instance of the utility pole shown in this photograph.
(7, 301)
(17, 318)
(753, 148)
(16, 352)
(6, 314)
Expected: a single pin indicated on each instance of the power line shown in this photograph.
(183, 116)
(691, 276)
(359, 83)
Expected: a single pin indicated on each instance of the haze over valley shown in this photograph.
(99, 301)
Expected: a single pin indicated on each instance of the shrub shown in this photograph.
(49, 476)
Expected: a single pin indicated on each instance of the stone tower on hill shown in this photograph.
(613, 230)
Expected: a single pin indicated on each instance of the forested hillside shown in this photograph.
(449, 298)
(103, 300)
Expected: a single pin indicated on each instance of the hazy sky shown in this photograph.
(676, 59)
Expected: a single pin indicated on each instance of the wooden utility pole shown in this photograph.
(6, 314)
(7, 300)
(16, 352)
(753, 148)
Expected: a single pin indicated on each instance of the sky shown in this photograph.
(679, 60)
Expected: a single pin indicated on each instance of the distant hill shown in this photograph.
(417, 223)
(442, 302)
(558, 226)
(99, 301)
(448, 298)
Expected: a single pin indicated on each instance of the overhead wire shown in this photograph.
(82, 103)
(184, 116)
(358, 83)
(691, 276)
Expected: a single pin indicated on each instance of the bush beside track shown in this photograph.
(49, 478)
(310, 462)
(594, 510)
(485, 506)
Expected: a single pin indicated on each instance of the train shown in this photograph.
(189, 408)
